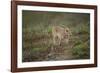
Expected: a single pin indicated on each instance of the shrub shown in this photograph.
(81, 51)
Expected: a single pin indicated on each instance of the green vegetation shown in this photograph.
(81, 50)
(37, 39)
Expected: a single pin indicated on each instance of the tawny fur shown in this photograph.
(60, 34)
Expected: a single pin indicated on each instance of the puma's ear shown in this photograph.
(70, 33)
(67, 30)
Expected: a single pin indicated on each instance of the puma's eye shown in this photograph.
(66, 30)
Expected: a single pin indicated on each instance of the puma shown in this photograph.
(60, 34)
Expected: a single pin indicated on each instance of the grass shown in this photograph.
(37, 41)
